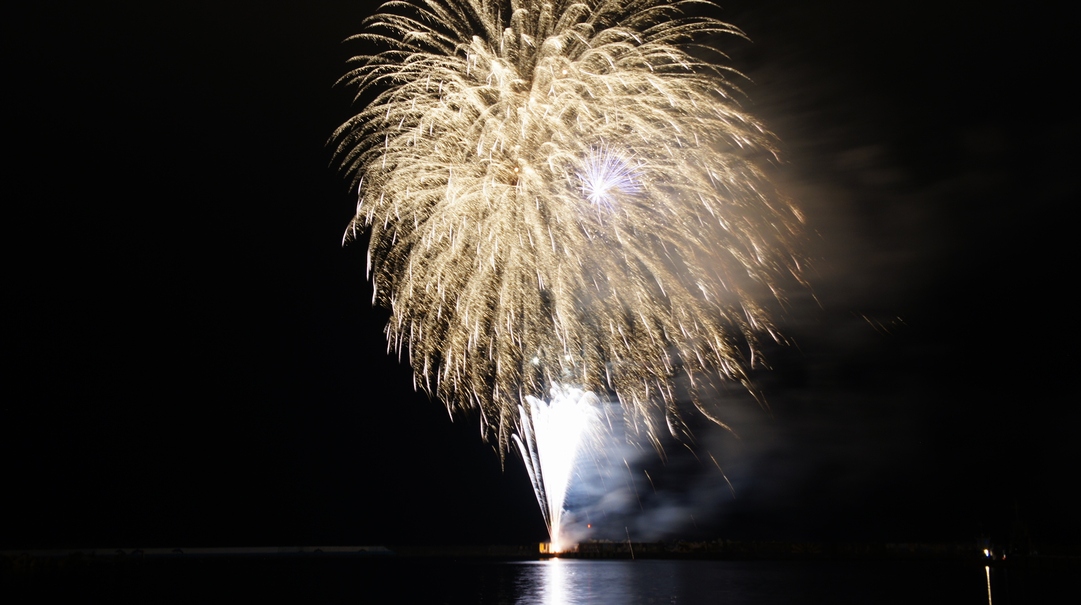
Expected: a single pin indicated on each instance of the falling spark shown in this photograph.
(715, 463)
(650, 481)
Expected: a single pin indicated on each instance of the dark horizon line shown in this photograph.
(584, 549)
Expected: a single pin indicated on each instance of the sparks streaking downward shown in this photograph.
(561, 193)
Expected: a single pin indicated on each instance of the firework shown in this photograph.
(552, 433)
(563, 193)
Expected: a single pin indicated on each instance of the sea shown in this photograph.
(355, 580)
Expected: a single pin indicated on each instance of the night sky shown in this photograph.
(192, 359)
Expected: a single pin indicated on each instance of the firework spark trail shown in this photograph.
(561, 193)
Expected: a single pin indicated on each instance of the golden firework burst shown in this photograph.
(563, 192)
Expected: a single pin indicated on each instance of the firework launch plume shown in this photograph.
(563, 193)
(552, 433)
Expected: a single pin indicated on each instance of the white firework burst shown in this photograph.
(606, 177)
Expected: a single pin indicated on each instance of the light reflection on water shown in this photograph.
(572, 582)
(569, 582)
(407, 580)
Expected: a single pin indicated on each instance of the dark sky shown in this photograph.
(192, 357)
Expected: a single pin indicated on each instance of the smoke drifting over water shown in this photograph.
(623, 490)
